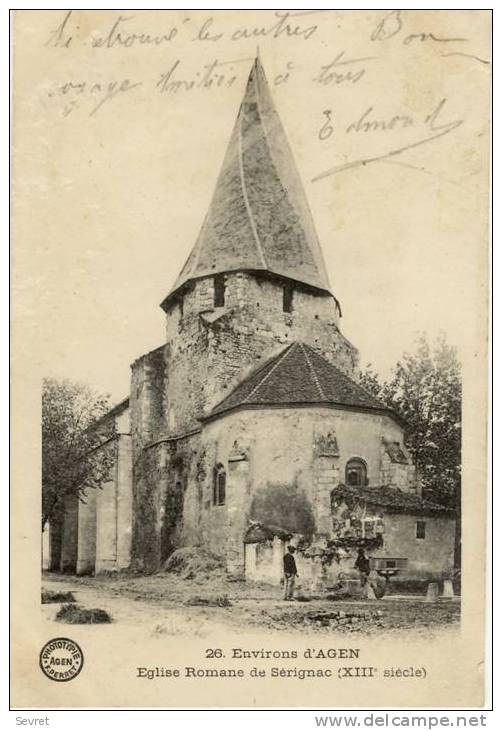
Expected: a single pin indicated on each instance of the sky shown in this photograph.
(114, 168)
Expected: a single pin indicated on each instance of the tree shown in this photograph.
(75, 444)
(425, 389)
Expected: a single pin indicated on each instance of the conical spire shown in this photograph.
(259, 218)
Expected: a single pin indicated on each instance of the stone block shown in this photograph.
(447, 589)
(432, 593)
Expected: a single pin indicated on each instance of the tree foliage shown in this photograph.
(425, 389)
(77, 453)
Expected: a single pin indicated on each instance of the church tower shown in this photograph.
(255, 280)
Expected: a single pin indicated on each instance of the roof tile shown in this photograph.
(298, 376)
(391, 499)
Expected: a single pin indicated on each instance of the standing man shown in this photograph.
(290, 573)
(363, 566)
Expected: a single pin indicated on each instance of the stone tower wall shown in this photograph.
(147, 398)
(210, 349)
(149, 476)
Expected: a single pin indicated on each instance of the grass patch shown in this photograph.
(57, 597)
(72, 614)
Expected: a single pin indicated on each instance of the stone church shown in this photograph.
(247, 427)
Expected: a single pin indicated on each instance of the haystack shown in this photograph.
(192, 562)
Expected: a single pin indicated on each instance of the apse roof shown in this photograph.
(299, 376)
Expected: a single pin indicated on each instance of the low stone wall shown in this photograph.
(264, 561)
(321, 567)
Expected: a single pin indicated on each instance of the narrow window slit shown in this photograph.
(219, 290)
(287, 298)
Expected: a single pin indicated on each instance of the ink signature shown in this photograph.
(365, 125)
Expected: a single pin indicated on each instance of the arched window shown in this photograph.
(355, 473)
(219, 485)
(219, 290)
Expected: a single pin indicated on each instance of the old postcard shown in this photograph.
(250, 306)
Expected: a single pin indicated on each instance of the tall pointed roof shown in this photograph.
(259, 218)
(299, 376)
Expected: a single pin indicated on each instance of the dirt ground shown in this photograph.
(171, 604)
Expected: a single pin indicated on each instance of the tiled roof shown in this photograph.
(299, 376)
(259, 532)
(259, 217)
(390, 499)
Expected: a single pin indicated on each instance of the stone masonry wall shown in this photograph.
(147, 397)
(163, 501)
(402, 476)
(105, 515)
(124, 502)
(217, 528)
(86, 562)
(150, 483)
(149, 475)
(308, 448)
(210, 349)
(427, 557)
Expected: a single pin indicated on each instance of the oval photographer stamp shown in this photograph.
(61, 659)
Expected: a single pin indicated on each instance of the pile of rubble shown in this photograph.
(348, 620)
